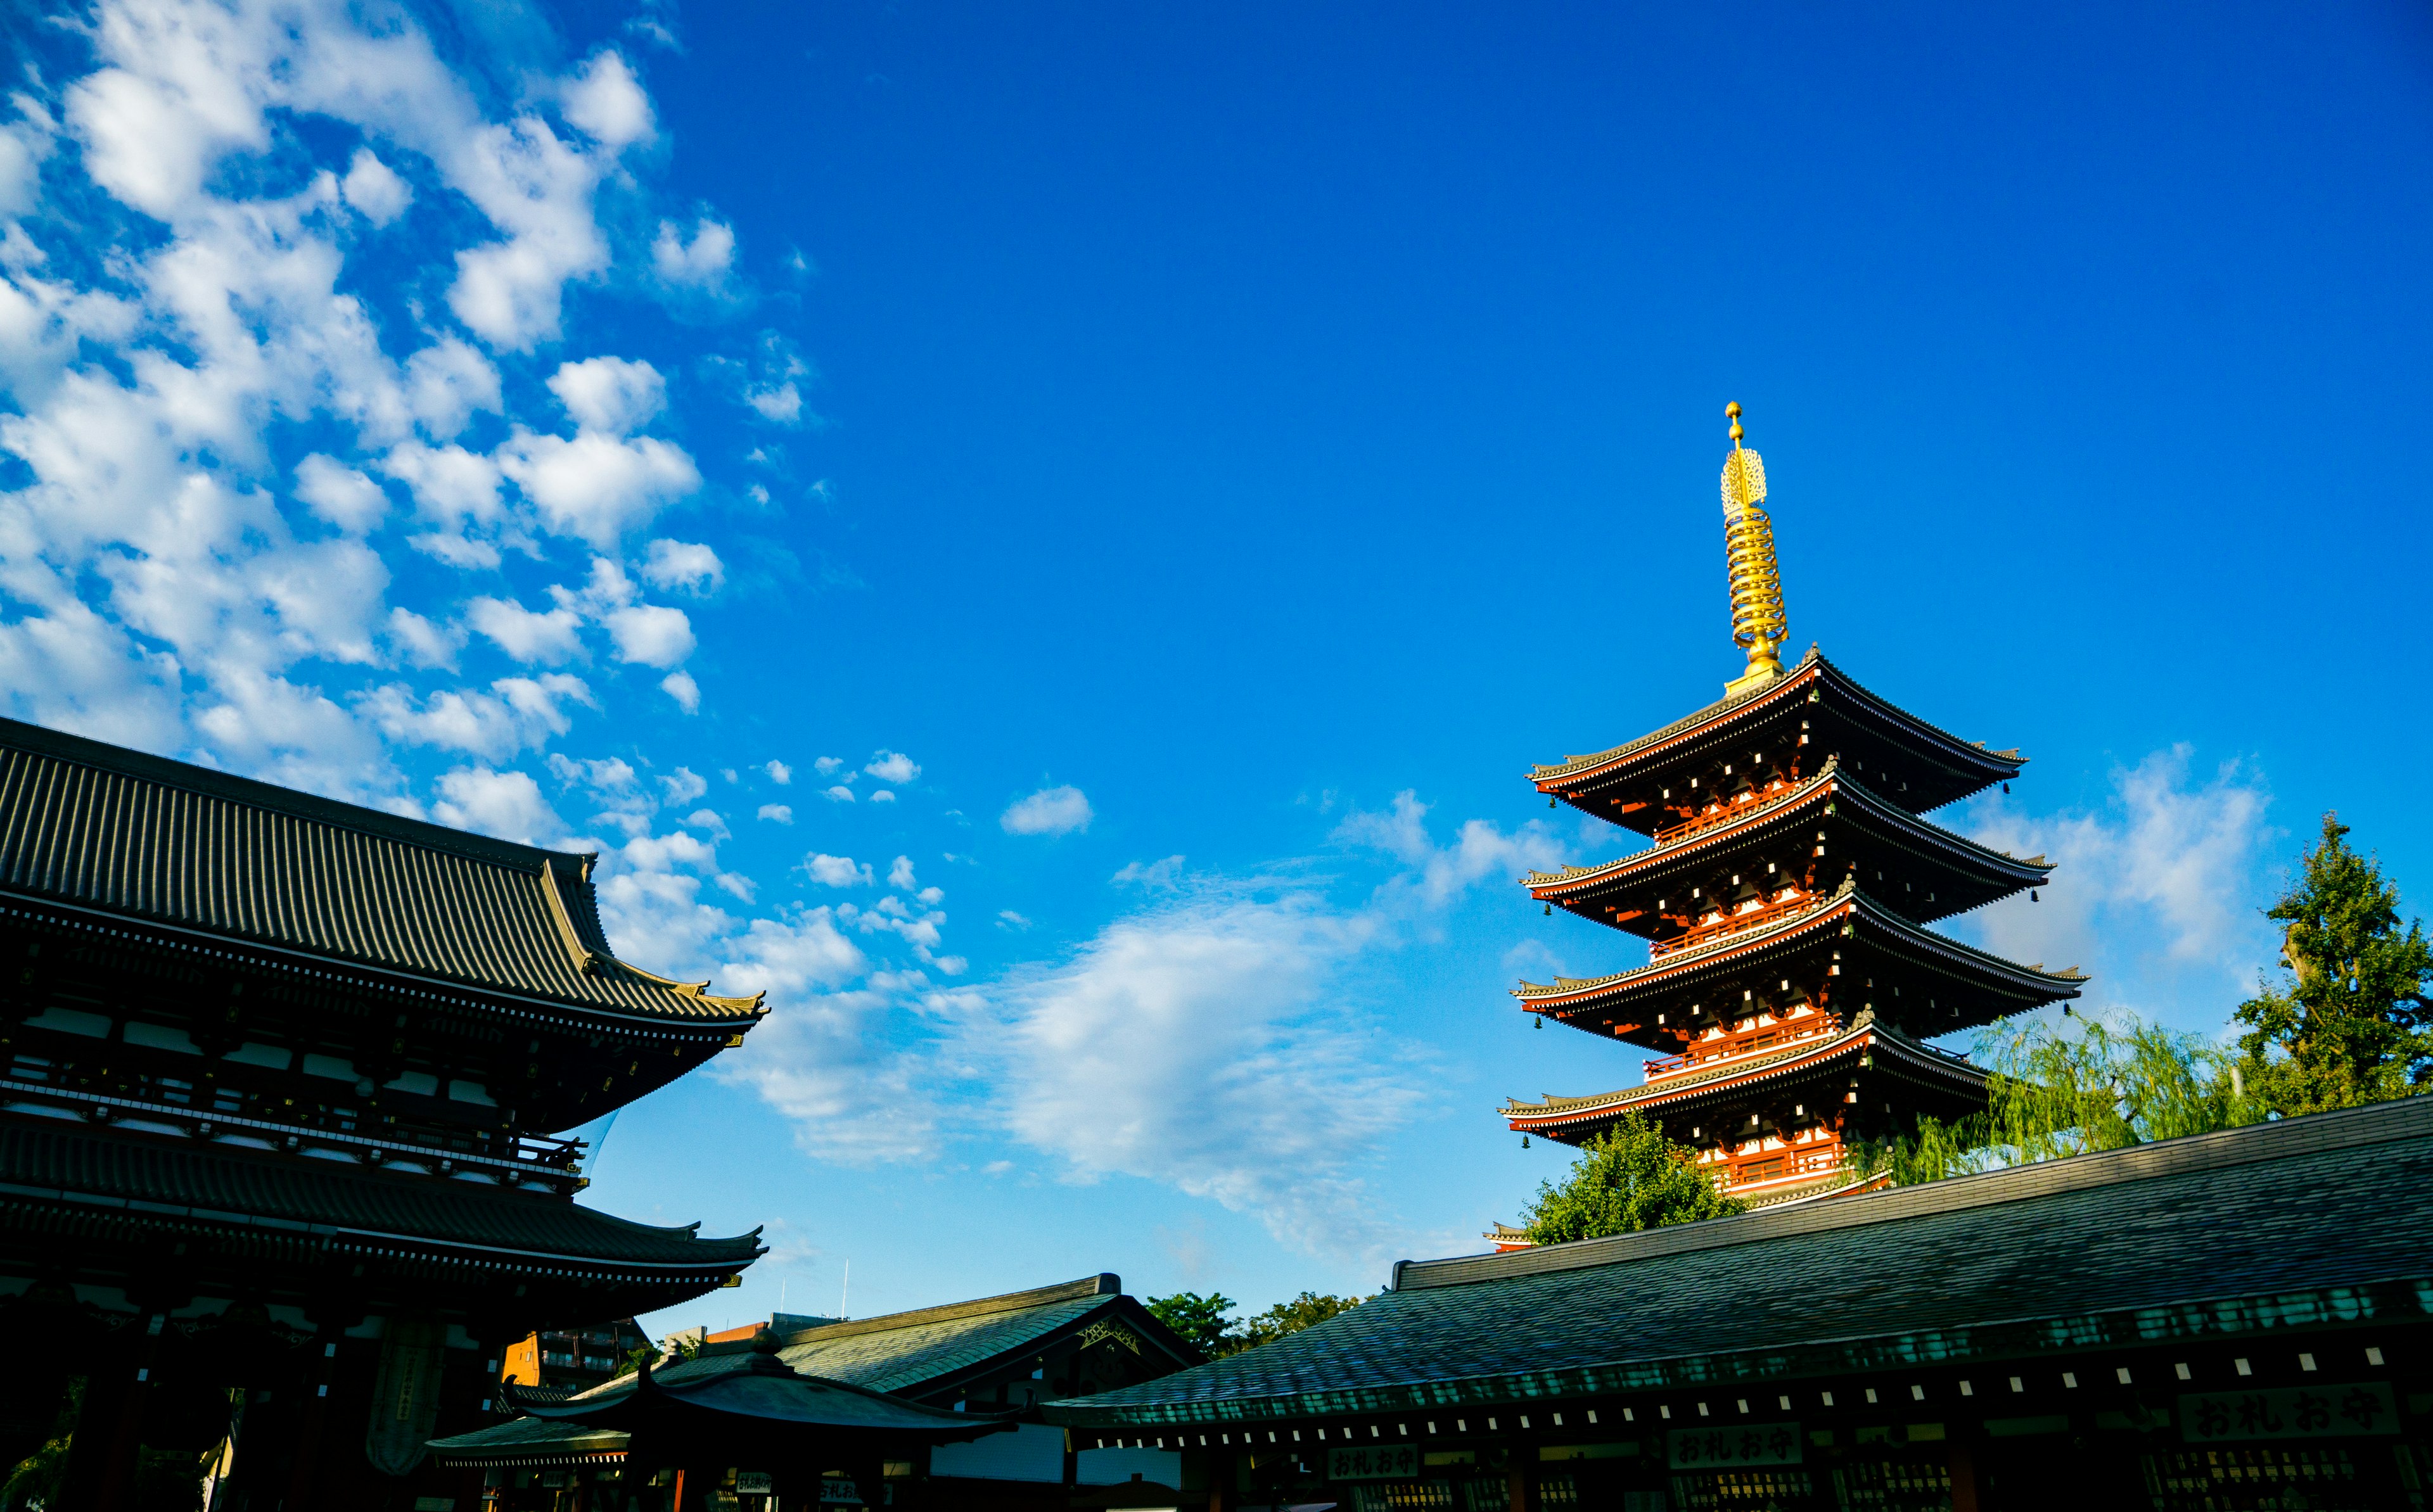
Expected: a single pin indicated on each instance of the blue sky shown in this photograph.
(1045, 537)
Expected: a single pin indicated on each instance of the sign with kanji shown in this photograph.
(1375, 1462)
(2290, 1412)
(1699, 1448)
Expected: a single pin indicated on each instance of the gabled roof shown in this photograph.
(2305, 1222)
(99, 828)
(933, 1350)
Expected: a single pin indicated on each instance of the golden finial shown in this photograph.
(1755, 582)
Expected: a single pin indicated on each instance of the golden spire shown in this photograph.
(1758, 622)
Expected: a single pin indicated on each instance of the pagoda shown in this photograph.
(278, 1079)
(1793, 980)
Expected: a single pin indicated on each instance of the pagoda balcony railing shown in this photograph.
(1764, 1042)
(1778, 1165)
(510, 1160)
(1699, 936)
(1739, 807)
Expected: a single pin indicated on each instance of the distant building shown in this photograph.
(994, 1354)
(572, 1360)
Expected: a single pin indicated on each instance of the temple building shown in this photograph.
(993, 1360)
(278, 1077)
(1792, 979)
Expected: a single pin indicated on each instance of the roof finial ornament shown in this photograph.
(1758, 622)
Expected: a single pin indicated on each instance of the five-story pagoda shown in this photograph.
(1791, 979)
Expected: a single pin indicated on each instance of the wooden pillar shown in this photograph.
(1222, 1495)
(108, 1382)
(1523, 1479)
(1964, 1478)
(320, 1374)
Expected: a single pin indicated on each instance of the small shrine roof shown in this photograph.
(914, 1352)
(95, 826)
(177, 1184)
(2303, 1222)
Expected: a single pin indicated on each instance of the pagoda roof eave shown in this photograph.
(1812, 670)
(1827, 784)
(1847, 901)
(1558, 1112)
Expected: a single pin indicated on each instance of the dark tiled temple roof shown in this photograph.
(99, 827)
(47, 1167)
(2303, 1221)
(916, 1352)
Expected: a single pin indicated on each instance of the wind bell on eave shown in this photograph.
(1758, 622)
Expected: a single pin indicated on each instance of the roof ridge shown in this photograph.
(1105, 1284)
(2347, 1128)
(228, 787)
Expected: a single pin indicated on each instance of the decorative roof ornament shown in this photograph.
(1758, 625)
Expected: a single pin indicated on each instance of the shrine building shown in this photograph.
(278, 1077)
(1793, 979)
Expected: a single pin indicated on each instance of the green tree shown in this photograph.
(2349, 1022)
(1201, 1320)
(1292, 1317)
(1629, 1178)
(2109, 1085)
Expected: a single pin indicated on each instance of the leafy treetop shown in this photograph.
(1203, 1321)
(1629, 1178)
(2351, 1022)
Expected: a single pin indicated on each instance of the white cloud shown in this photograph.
(507, 804)
(835, 870)
(825, 766)
(778, 771)
(900, 876)
(777, 813)
(1164, 875)
(608, 394)
(607, 103)
(421, 643)
(882, 795)
(548, 639)
(446, 383)
(701, 262)
(596, 487)
(783, 403)
(680, 687)
(1048, 811)
(374, 190)
(683, 785)
(339, 494)
(1198, 1046)
(687, 565)
(2155, 895)
(1011, 920)
(515, 713)
(652, 634)
(839, 794)
(451, 485)
(1479, 849)
(893, 766)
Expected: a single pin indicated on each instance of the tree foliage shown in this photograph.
(2115, 1083)
(1629, 1178)
(1199, 1319)
(2349, 1023)
(1204, 1321)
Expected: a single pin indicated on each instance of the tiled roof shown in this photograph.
(912, 1352)
(46, 1167)
(2299, 1222)
(95, 826)
(1868, 1032)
